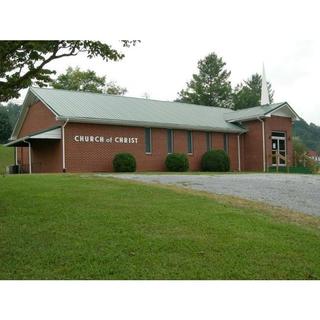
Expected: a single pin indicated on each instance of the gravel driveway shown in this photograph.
(293, 191)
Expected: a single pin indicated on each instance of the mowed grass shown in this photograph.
(83, 227)
(6, 158)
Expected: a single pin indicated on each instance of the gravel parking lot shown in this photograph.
(293, 191)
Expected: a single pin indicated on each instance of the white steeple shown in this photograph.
(264, 89)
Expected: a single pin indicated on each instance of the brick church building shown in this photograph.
(68, 131)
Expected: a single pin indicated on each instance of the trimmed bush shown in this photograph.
(124, 162)
(215, 160)
(177, 162)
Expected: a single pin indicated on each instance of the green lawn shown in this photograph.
(6, 158)
(82, 227)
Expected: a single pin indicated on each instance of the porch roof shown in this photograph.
(51, 134)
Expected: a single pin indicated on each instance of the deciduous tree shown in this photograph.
(24, 63)
(78, 80)
(113, 88)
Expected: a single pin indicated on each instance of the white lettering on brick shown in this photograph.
(101, 139)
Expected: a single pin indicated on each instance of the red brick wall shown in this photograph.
(97, 156)
(252, 144)
(22, 157)
(252, 141)
(46, 155)
(199, 148)
(38, 117)
(242, 152)
(217, 140)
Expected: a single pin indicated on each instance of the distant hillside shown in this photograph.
(308, 133)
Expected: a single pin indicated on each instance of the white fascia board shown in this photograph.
(244, 119)
(21, 118)
(285, 105)
(51, 134)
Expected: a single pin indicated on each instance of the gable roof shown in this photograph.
(49, 133)
(260, 111)
(87, 107)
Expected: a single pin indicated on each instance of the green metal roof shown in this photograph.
(104, 108)
(260, 111)
(87, 107)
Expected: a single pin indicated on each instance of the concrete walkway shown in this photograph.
(293, 191)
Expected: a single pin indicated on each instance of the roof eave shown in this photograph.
(248, 118)
(14, 142)
(149, 124)
(266, 114)
(284, 104)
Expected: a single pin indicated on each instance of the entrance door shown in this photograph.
(278, 147)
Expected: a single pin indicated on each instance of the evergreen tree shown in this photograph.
(248, 93)
(210, 86)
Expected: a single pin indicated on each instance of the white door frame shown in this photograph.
(278, 138)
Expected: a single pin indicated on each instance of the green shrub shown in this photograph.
(124, 162)
(215, 160)
(177, 162)
(312, 165)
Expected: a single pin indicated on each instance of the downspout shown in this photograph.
(29, 155)
(15, 156)
(263, 145)
(239, 153)
(64, 148)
